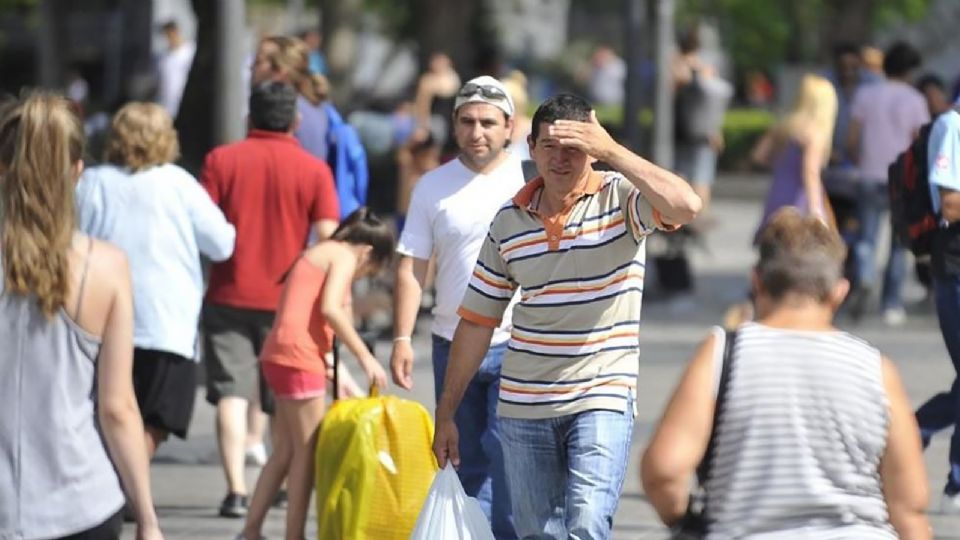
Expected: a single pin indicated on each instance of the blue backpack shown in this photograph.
(348, 161)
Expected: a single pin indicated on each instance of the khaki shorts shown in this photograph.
(232, 339)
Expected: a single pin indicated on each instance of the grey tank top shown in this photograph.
(56, 477)
(800, 439)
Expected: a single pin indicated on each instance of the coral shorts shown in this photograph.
(292, 383)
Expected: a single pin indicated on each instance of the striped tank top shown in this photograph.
(800, 438)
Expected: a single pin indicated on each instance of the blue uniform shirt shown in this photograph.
(943, 155)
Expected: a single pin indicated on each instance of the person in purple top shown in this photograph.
(884, 119)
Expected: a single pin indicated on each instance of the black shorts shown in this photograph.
(232, 339)
(108, 530)
(166, 387)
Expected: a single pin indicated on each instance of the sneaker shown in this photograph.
(234, 505)
(950, 504)
(894, 316)
(256, 455)
(281, 500)
(240, 536)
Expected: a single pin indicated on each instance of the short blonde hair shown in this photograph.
(141, 136)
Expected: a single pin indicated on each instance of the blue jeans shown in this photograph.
(943, 410)
(872, 205)
(481, 452)
(566, 473)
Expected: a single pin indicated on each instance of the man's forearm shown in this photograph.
(470, 344)
(671, 195)
(406, 301)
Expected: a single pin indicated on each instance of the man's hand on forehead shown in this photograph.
(589, 136)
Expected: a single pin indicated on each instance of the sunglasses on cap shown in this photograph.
(486, 90)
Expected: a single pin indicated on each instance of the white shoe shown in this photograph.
(950, 504)
(256, 455)
(894, 316)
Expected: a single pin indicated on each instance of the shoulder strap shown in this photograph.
(336, 369)
(703, 470)
(83, 279)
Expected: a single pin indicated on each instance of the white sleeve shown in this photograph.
(215, 235)
(416, 240)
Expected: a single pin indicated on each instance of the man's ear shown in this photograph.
(296, 123)
(839, 293)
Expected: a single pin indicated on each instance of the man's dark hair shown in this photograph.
(928, 80)
(688, 39)
(560, 107)
(900, 59)
(273, 106)
(845, 48)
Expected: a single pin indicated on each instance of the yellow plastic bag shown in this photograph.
(374, 467)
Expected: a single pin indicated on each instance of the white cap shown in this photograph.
(485, 89)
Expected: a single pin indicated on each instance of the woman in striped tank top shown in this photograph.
(815, 436)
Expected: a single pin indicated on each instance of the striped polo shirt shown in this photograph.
(574, 343)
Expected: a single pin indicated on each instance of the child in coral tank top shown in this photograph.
(314, 307)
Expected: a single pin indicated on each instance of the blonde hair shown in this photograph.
(814, 112)
(141, 136)
(41, 143)
(516, 84)
(291, 59)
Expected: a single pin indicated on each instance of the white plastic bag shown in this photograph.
(449, 514)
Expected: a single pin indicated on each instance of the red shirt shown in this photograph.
(271, 190)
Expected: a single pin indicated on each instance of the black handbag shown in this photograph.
(694, 524)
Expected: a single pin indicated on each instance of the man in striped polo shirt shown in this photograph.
(572, 242)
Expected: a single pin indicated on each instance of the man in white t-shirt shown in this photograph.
(175, 65)
(450, 212)
(884, 119)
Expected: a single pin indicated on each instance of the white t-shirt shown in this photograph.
(450, 213)
(174, 69)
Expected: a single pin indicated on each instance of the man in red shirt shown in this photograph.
(273, 192)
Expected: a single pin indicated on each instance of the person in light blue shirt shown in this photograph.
(943, 410)
(164, 221)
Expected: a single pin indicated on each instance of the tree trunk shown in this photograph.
(449, 27)
(340, 24)
(845, 21)
(196, 120)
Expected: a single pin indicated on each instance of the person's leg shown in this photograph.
(302, 417)
(894, 277)
(868, 214)
(535, 461)
(501, 515)
(939, 412)
(865, 247)
(947, 291)
(271, 478)
(154, 437)
(598, 446)
(231, 436)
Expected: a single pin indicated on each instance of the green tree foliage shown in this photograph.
(763, 33)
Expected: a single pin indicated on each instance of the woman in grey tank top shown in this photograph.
(71, 439)
(814, 437)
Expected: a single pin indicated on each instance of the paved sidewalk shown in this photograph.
(188, 483)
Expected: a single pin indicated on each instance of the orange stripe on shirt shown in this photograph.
(575, 343)
(568, 236)
(477, 318)
(614, 382)
(571, 290)
(491, 283)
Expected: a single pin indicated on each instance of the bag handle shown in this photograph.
(703, 470)
(374, 389)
